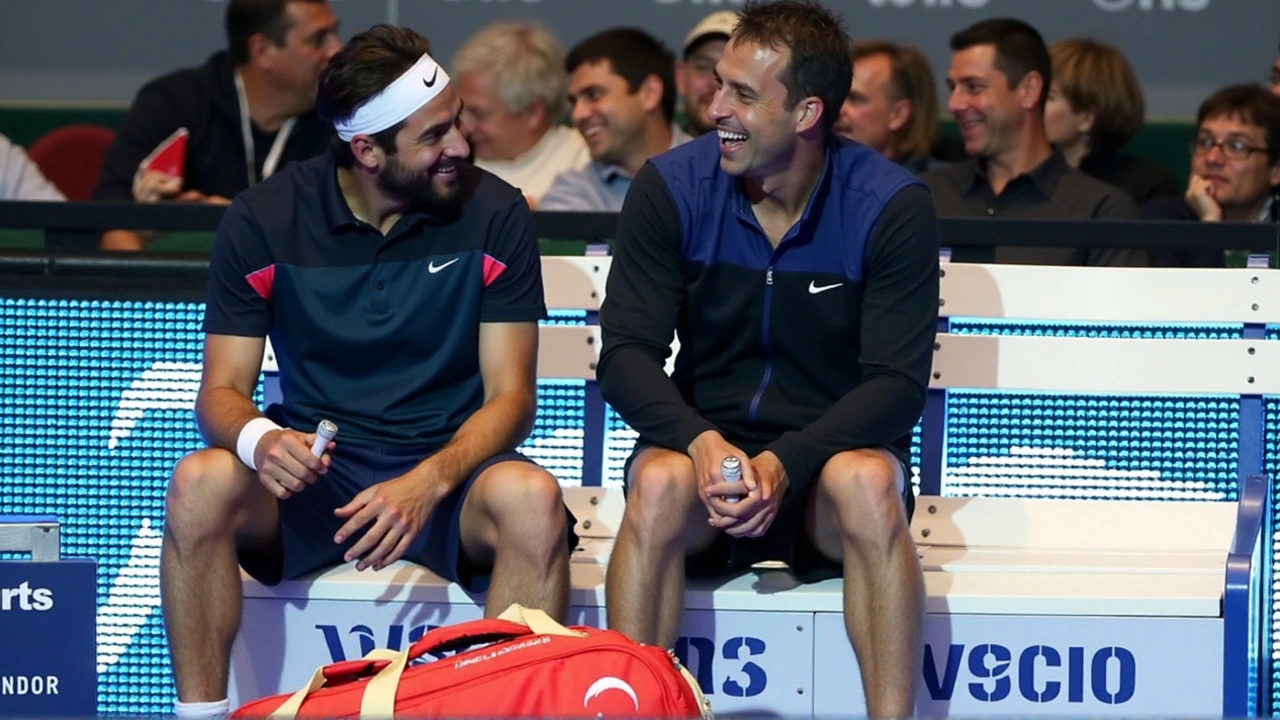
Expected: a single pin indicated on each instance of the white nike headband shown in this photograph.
(397, 101)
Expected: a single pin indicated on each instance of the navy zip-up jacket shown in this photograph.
(821, 345)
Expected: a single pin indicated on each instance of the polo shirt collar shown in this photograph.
(1043, 177)
(609, 173)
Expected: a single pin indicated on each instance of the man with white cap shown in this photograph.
(401, 289)
(696, 72)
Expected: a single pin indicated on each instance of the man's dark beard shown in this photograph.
(417, 188)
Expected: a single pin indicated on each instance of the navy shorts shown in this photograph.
(307, 522)
(785, 540)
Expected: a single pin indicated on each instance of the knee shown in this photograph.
(204, 490)
(530, 502)
(660, 495)
(862, 487)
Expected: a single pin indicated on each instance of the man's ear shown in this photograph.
(808, 115)
(1273, 175)
(650, 92)
(900, 114)
(1030, 90)
(536, 114)
(260, 50)
(367, 153)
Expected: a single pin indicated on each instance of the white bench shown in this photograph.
(1035, 606)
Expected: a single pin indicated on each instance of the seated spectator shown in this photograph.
(512, 82)
(623, 99)
(1095, 106)
(892, 105)
(999, 78)
(1235, 168)
(248, 110)
(696, 73)
(20, 179)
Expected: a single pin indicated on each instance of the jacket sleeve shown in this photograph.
(153, 116)
(899, 325)
(644, 298)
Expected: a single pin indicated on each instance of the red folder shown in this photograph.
(170, 156)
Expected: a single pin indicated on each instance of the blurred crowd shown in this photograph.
(1041, 127)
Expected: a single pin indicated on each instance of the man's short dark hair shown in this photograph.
(633, 55)
(363, 68)
(1020, 50)
(819, 64)
(1251, 105)
(246, 18)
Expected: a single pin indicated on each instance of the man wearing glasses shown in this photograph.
(1235, 167)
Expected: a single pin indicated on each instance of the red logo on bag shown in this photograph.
(601, 701)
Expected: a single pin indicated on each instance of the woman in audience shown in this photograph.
(1095, 106)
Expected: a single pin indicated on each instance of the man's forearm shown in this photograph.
(220, 415)
(501, 424)
(637, 387)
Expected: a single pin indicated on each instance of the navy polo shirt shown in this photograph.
(379, 334)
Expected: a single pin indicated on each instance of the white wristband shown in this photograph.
(250, 435)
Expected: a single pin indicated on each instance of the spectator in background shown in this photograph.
(999, 78)
(696, 73)
(248, 110)
(512, 82)
(622, 91)
(20, 179)
(1235, 168)
(1095, 106)
(892, 105)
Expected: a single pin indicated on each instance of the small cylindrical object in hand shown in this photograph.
(731, 471)
(325, 432)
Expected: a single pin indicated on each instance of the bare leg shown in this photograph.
(855, 514)
(663, 521)
(214, 504)
(514, 518)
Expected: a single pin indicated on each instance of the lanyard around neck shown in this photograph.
(246, 134)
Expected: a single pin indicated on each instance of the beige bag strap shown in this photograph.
(538, 621)
(704, 705)
(379, 699)
(289, 709)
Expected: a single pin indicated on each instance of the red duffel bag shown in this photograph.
(528, 666)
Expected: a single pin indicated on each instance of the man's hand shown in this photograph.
(707, 451)
(1200, 196)
(398, 509)
(754, 514)
(285, 463)
(195, 196)
(152, 186)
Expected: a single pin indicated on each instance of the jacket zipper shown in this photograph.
(764, 343)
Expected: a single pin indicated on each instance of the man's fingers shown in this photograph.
(756, 526)
(367, 542)
(274, 487)
(728, 488)
(362, 516)
(389, 542)
(282, 478)
(397, 553)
